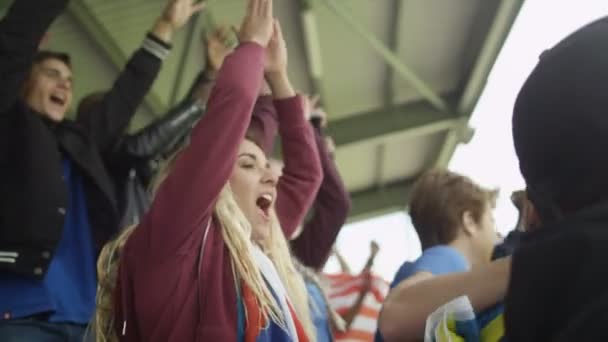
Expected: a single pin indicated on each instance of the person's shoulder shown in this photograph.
(441, 259)
(404, 272)
(435, 260)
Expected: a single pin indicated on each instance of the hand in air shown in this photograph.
(276, 52)
(218, 47)
(257, 25)
(177, 12)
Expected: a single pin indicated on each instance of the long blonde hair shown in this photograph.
(107, 272)
(277, 249)
(236, 233)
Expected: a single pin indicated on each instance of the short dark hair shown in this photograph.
(44, 55)
(439, 198)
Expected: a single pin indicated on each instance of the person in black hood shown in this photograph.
(560, 130)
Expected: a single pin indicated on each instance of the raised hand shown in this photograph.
(257, 25)
(177, 12)
(276, 52)
(174, 16)
(218, 47)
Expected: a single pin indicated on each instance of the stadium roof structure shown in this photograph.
(398, 78)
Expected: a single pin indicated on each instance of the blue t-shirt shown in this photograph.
(318, 311)
(439, 260)
(67, 292)
(436, 260)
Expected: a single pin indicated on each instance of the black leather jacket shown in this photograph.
(137, 157)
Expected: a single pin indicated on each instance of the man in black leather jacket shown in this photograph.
(57, 203)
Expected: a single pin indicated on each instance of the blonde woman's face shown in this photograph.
(254, 186)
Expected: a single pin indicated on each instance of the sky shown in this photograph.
(489, 158)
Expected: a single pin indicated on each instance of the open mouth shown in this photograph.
(264, 203)
(58, 100)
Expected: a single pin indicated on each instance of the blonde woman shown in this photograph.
(209, 261)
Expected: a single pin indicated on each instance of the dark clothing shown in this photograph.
(67, 292)
(329, 212)
(557, 274)
(34, 194)
(508, 245)
(560, 124)
(137, 157)
(33, 329)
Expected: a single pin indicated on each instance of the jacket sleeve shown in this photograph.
(330, 210)
(186, 198)
(201, 87)
(302, 173)
(20, 33)
(158, 137)
(107, 120)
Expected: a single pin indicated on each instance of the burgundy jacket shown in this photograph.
(176, 281)
(329, 212)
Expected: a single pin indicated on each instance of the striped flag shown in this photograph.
(343, 290)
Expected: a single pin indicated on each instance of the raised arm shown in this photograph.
(163, 136)
(20, 33)
(330, 210)
(107, 120)
(408, 305)
(302, 174)
(186, 198)
(217, 46)
(158, 137)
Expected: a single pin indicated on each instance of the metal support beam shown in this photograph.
(312, 43)
(4, 8)
(390, 57)
(495, 39)
(379, 201)
(380, 162)
(393, 36)
(411, 119)
(91, 25)
(188, 43)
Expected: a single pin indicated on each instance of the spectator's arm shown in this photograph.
(157, 138)
(302, 174)
(202, 86)
(107, 120)
(330, 210)
(408, 305)
(21, 30)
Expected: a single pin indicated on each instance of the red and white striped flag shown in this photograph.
(343, 290)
